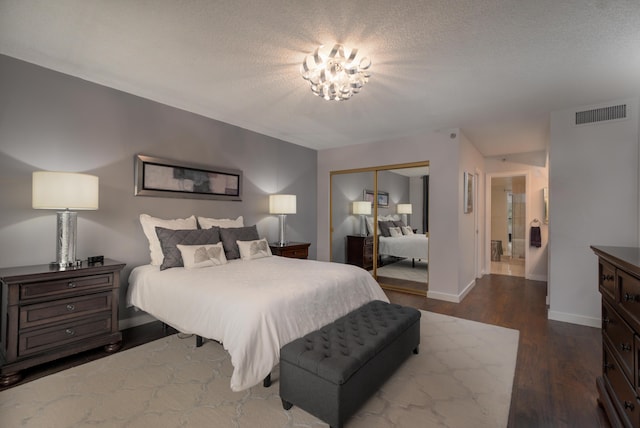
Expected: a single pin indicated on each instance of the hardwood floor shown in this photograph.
(557, 364)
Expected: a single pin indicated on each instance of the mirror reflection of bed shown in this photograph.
(401, 261)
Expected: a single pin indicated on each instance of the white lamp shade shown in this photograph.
(362, 207)
(282, 204)
(64, 190)
(404, 208)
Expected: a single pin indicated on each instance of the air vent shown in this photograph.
(603, 114)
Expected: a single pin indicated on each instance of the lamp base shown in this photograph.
(66, 238)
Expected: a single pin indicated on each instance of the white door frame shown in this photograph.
(489, 177)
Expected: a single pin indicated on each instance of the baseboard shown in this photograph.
(466, 290)
(538, 278)
(453, 298)
(135, 321)
(574, 319)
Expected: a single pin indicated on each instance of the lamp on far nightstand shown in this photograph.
(65, 191)
(404, 209)
(362, 208)
(282, 205)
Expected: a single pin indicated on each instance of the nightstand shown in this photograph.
(360, 251)
(293, 250)
(48, 313)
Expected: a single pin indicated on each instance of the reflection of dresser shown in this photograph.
(360, 251)
(619, 284)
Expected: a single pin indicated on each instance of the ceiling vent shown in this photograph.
(603, 114)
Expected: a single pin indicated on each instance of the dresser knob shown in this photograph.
(70, 332)
(606, 278)
(628, 405)
(625, 347)
(71, 307)
(628, 297)
(605, 321)
(71, 285)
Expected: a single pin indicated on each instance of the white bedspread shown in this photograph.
(412, 246)
(253, 307)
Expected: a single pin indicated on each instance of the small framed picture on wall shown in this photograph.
(468, 192)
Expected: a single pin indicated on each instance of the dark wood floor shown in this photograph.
(557, 364)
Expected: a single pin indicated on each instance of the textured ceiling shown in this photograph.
(494, 68)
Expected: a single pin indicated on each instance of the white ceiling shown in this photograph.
(494, 68)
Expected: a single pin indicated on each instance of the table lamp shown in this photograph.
(404, 209)
(282, 205)
(65, 191)
(362, 208)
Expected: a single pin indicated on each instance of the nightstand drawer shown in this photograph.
(295, 253)
(48, 338)
(69, 286)
(61, 310)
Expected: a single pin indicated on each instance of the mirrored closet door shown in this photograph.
(380, 222)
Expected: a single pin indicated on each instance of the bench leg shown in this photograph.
(416, 350)
(286, 405)
(267, 381)
(199, 341)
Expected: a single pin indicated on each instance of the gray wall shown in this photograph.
(52, 121)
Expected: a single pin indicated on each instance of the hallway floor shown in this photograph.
(508, 266)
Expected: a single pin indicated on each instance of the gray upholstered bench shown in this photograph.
(331, 372)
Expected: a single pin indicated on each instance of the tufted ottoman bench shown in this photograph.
(331, 372)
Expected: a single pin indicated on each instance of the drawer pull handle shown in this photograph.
(71, 307)
(607, 366)
(607, 278)
(71, 285)
(70, 332)
(628, 297)
(605, 321)
(625, 347)
(628, 405)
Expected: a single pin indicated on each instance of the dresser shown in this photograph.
(619, 285)
(293, 250)
(48, 313)
(360, 251)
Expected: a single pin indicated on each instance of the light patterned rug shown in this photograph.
(462, 377)
(403, 269)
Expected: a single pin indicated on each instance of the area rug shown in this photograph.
(403, 269)
(462, 377)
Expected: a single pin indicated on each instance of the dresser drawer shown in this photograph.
(606, 279)
(626, 401)
(65, 309)
(69, 286)
(48, 338)
(629, 287)
(619, 335)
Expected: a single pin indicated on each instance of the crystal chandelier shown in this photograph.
(336, 76)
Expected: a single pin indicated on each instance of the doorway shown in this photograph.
(508, 225)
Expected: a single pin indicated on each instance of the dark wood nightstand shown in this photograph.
(293, 250)
(360, 251)
(48, 313)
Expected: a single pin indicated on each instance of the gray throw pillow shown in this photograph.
(230, 235)
(399, 224)
(169, 239)
(384, 227)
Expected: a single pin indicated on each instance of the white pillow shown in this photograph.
(407, 230)
(149, 228)
(199, 256)
(394, 232)
(208, 223)
(369, 221)
(251, 250)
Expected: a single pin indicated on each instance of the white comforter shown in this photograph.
(412, 246)
(253, 307)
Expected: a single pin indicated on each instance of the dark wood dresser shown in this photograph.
(619, 285)
(48, 313)
(360, 251)
(293, 250)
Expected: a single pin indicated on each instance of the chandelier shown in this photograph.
(336, 76)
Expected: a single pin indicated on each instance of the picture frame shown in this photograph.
(383, 198)
(468, 192)
(172, 179)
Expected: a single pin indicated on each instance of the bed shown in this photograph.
(414, 246)
(253, 307)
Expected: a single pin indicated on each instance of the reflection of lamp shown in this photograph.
(65, 191)
(282, 205)
(404, 209)
(362, 208)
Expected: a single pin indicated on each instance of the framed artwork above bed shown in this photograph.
(383, 198)
(173, 179)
